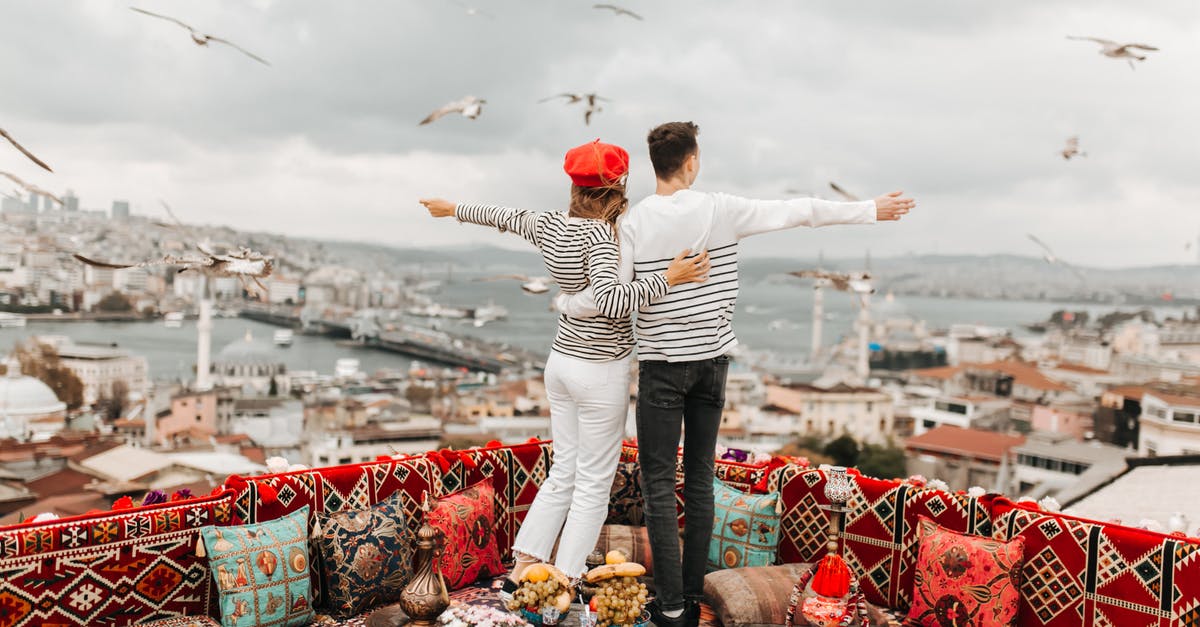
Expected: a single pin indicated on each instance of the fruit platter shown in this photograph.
(543, 596)
(619, 599)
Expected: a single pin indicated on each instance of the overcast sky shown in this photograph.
(962, 103)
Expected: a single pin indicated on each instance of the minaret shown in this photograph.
(204, 339)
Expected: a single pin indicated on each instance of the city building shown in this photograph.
(70, 201)
(274, 424)
(965, 412)
(411, 436)
(1073, 418)
(1117, 419)
(102, 369)
(866, 414)
(1170, 421)
(191, 418)
(963, 458)
(1053, 464)
(283, 291)
(120, 210)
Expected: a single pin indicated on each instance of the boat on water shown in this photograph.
(283, 337)
(9, 320)
(173, 319)
(488, 313)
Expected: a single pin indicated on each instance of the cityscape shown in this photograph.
(1058, 407)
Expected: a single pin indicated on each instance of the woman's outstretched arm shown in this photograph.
(527, 224)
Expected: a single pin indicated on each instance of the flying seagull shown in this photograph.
(32, 189)
(843, 193)
(1115, 50)
(1072, 149)
(4, 134)
(590, 99)
(202, 39)
(1051, 258)
(618, 10)
(530, 285)
(470, 107)
(857, 282)
(473, 11)
(244, 264)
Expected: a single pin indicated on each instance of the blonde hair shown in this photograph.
(606, 202)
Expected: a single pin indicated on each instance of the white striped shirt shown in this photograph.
(695, 321)
(579, 253)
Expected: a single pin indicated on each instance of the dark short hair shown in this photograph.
(670, 145)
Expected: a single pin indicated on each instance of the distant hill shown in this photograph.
(966, 276)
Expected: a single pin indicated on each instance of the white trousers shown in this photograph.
(588, 404)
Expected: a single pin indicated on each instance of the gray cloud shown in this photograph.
(962, 103)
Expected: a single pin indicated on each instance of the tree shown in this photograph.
(115, 302)
(843, 450)
(41, 362)
(885, 462)
(113, 404)
(808, 447)
(274, 389)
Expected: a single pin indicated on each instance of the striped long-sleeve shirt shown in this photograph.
(695, 321)
(579, 253)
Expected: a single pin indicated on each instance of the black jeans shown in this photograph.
(674, 395)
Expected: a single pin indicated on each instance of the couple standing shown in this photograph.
(610, 262)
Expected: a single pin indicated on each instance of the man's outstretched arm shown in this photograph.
(750, 217)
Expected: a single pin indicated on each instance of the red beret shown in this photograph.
(595, 164)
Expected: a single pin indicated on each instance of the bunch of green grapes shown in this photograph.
(535, 595)
(619, 601)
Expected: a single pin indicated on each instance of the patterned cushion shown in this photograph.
(261, 571)
(745, 528)
(111, 568)
(880, 541)
(366, 555)
(626, 503)
(757, 597)
(965, 580)
(467, 519)
(1081, 573)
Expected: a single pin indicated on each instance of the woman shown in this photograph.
(587, 373)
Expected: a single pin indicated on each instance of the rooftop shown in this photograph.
(1154, 488)
(974, 443)
(1023, 374)
(1064, 447)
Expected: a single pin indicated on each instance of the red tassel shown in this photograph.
(125, 502)
(832, 578)
(267, 493)
(493, 444)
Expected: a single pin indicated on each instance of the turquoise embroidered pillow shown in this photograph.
(261, 571)
(745, 528)
(366, 555)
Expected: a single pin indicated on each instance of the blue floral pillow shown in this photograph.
(261, 571)
(366, 556)
(745, 528)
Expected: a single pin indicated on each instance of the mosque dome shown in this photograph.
(22, 396)
(248, 351)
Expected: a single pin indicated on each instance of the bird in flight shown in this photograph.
(1115, 50)
(1072, 149)
(474, 11)
(857, 282)
(1051, 258)
(529, 285)
(4, 134)
(843, 193)
(202, 39)
(243, 264)
(591, 100)
(31, 188)
(618, 10)
(470, 107)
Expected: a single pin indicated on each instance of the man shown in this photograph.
(682, 341)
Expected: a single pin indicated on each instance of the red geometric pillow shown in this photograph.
(469, 548)
(964, 580)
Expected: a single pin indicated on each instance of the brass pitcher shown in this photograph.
(425, 597)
